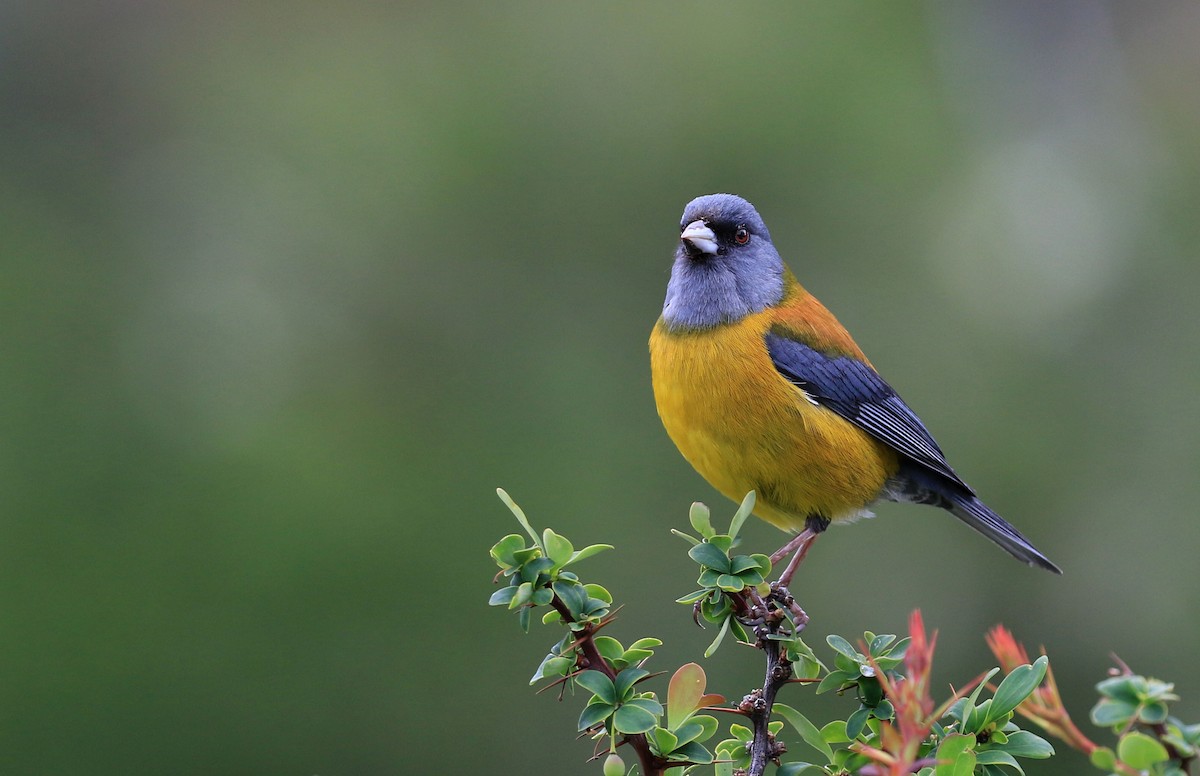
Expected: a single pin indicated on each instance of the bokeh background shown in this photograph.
(289, 288)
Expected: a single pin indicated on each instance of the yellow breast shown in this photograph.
(744, 427)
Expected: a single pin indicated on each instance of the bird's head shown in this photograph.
(725, 266)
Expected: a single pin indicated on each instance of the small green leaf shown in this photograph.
(596, 591)
(598, 685)
(1110, 713)
(502, 551)
(880, 643)
(558, 548)
(794, 769)
(707, 554)
(1022, 743)
(996, 757)
(503, 596)
(594, 713)
(664, 739)
(1120, 688)
(807, 730)
(1154, 713)
(692, 540)
(522, 596)
(953, 755)
(744, 511)
(520, 515)
(707, 726)
(835, 732)
(1016, 687)
(841, 646)
(626, 680)
(632, 719)
(700, 518)
(856, 722)
(587, 552)
(1103, 758)
(730, 583)
(1140, 751)
(693, 752)
(712, 648)
(834, 681)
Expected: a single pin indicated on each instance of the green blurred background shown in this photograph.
(289, 288)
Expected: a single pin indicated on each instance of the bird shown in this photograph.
(762, 389)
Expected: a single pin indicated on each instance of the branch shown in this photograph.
(590, 658)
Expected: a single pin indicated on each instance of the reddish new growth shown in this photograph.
(1044, 706)
(901, 739)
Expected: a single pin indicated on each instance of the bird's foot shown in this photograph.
(784, 598)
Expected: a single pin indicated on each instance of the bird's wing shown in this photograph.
(856, 392)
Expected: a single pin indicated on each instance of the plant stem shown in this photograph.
(758, 705)
(586, 644)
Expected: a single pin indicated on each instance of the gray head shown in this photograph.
(725, 266)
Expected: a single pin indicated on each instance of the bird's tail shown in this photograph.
(979, 516)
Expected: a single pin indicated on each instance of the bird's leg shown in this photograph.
(798, 547)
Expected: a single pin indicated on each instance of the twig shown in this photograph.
(592, 659)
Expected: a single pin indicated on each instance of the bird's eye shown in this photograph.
(742, 235)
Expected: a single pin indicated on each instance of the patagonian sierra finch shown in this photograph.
(762, 389)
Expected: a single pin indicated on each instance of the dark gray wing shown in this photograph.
(856, 392)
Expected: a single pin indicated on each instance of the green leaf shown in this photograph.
(1140, 751)
(594, 713)
(841, 646)
(598, 685)
(744, 511)
(520, 515)
(693, 752)
(807, 730)
(627, 679)
(707, 554)
(835, 733)
(1120, 688)
(954, 757)
(834, 680)
(522, 596)
(1022, 743)
(587, 552)
(707, 726)
(573, 595)
(596, 591)
(631, 718)
(503, 596)
(793, 769)
(1154, 713)
(712, 648)
(664, 739)
(1103, 758)
(740, 564)
(880, 643)
(699, 516)
(558, 548)
(1016, 687)
(996, 757)
(502, 551)
(1110, 713)
(856, 722)
(730, 583)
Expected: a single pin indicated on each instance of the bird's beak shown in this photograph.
(700, 236)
